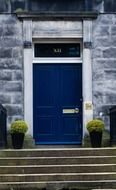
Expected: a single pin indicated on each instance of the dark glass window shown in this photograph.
(110, 5)
(60, 5)
(57, 50)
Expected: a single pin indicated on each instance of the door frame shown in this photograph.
(59, 60)
(86, 70)
(55, 60)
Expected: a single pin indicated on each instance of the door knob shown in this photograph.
(76, 110)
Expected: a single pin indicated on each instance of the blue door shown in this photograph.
(57, 103)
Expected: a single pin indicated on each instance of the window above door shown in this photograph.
(57, 50)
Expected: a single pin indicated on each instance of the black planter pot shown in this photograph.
(17, 140)
(96, 139)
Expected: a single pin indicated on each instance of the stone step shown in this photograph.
(61, 167)
(58, 152)
(57, 160)
(57, 177)
(43, 169)
(59, 185)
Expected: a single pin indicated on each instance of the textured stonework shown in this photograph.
(11, 56)
(11, 66)
(57, 28)
(104, 65)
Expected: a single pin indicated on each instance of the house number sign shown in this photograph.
(88, 106)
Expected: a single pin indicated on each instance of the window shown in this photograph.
(57, 50)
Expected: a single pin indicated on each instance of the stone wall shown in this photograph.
(11, 66)
(104, 65)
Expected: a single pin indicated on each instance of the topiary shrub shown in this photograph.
(95, 128)
(19, 126)
(95, 125)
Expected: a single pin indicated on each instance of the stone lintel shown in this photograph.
(58, 15)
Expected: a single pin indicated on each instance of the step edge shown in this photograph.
(46, 182)
(49, 166)
(70, 157)
(56, 149)
(59, 174)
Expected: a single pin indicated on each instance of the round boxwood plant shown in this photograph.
(95, 125)
(19, 126)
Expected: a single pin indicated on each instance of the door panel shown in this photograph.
(45, 102)
(57, 111)
(71, 94)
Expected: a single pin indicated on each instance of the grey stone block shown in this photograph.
(5, 75)
(110, 86)
(1, 30)
(101, 31)
(110, 64)
(98, 75)
(10, 42)
(110, 74)
(98, 64)
(106, 19)
(98, 98)
(17, 63)
(113, 30)
(96, 53)
(17, 75)
(17, 98)
(13, 87)
(113, 41)
(10, 30)
(98, 86)
(5, 98)
(110, 98)
(109, 53)
(18, 52)
(8, 19)
(102, 42)
(11, 63)
(14, 110)
(2, 86)
(5, 52)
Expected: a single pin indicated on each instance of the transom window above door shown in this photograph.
(57, 50)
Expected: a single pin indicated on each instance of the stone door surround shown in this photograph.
(55, 30)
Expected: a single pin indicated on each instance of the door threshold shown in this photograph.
(58, 146)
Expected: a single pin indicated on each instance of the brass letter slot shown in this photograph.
(70, 111)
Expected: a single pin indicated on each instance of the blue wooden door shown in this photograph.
(57, 103)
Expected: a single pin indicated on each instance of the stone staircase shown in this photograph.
(79, 168)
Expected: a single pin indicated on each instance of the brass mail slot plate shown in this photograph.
(68, 111)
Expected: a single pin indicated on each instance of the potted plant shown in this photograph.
(95, 128)
(18, 130)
